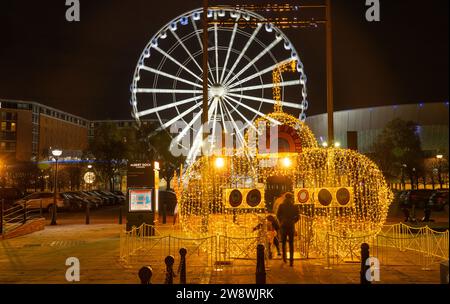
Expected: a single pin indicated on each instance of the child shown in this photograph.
(272, 234)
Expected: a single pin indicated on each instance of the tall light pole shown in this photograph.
(329, 65)
(56, 154)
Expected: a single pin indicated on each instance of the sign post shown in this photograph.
(142, 195)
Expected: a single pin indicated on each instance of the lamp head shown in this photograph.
(287, 162)
(219, 162)
(57, 152)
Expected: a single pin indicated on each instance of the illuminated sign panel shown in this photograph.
(140, 200)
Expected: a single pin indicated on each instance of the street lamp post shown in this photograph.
(56, 154)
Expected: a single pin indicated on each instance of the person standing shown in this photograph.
(288, 215)
(277, 203)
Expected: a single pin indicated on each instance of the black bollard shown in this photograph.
(364, 268)
(182, 269)
(260, 265)
(169, 260)
(88, 219)
(120, 215)
(145, 275)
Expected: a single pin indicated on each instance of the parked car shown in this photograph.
(417, 198)
(104, 200)
(73, 202)
(118, 198)
(438, 200)
(10, 195)
(112, 199)
(120, 195)
(95, 201)
(33, 201)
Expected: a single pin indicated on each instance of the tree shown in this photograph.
(141, 143)
(109, 149)
(152, 145)
(23, 174)
(398, 149)
(169, 163)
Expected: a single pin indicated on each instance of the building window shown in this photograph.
(13, 127)
(8, 146)
(9, 116)
(3, 125)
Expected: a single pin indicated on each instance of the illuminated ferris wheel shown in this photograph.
(168, 84)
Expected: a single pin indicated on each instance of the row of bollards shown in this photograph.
(145, 273)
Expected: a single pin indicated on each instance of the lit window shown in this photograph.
(13, 127)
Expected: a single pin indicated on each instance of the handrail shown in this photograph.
(16, 216)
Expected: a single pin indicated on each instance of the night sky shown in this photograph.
(86, 68)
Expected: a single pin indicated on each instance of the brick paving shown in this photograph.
(40, 258)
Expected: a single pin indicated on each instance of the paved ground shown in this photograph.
(40, 258)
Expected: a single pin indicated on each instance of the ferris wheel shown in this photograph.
(168, 78)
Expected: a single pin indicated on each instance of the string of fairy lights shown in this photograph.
(203, 208)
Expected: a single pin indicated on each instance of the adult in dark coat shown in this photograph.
(288, 215)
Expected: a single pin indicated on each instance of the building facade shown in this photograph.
(368, 123)
(30, 129)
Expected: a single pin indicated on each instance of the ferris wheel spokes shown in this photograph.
(266, 86)
(194, 25)
(167, 91)
(230, 46)
(254, 60)
(252, 109)
(189, 125)
(216, 80)
(187, 51)
(198, 141)
(244, 50)
(266, 100)
(177, 62)
(168, 106)
(260, 73)
(223, 118)
(149, 69)
(248, 123)
(179, 117)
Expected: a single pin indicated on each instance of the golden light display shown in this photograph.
(290, 66)
(354, 200)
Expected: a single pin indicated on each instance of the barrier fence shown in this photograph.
(424, 247)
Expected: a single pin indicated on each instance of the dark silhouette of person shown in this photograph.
(273, 230)
(288, 215)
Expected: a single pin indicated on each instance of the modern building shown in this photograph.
(432, 119)
(30, 129)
